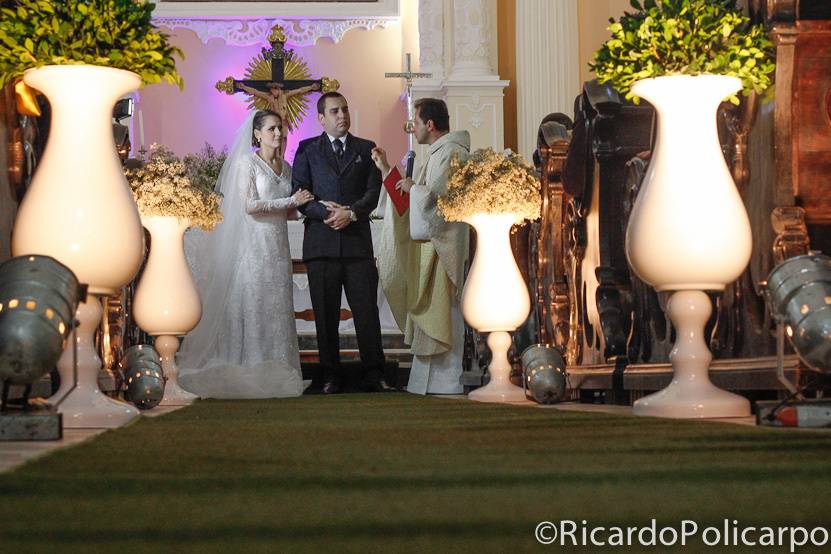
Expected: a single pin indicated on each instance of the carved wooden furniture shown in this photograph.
(607, 134)
(610, 325)
(801, 124)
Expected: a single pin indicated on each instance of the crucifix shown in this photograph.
(409, 126)
(277, 91)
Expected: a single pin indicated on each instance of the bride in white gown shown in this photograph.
(245, 345)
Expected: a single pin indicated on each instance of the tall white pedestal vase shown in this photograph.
(79, 209)
(166, 303)
(688, 232)
(495, 300)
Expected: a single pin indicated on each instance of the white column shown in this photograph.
(472, 38)
(547, 59)
(473, 91)
(431, 38)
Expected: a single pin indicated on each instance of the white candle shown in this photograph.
(141, 129)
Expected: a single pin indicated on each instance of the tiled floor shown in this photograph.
(15, 453)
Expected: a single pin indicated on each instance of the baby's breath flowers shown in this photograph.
(162, 188)
(491, 183)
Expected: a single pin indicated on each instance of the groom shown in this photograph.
(337, 243)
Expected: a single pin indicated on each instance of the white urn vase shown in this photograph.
(166, 304)
(495, 300)
(79, 210)
(688, 232)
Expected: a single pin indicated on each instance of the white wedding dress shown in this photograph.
(245, 346)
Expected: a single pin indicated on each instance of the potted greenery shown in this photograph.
(688, 231)
(111, 33)
(83, 55)
(492, 191)
(684, 37)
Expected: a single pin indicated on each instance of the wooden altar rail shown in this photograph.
(745, 374)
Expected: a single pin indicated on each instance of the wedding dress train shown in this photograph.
(245, 346)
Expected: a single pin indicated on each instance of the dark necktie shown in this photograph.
(338, 148)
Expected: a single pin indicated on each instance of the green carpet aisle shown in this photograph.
(397, 472)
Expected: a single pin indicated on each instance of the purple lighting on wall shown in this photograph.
(224, 113)
(184, 120)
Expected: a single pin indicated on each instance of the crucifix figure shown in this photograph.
(409, 126)
(277, 91)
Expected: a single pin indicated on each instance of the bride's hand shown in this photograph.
(303, 197)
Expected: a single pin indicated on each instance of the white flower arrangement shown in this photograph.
(493, 183)
(162, 188)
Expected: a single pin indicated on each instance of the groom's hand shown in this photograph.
(338, 218)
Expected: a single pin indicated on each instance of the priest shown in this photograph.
(423, 279)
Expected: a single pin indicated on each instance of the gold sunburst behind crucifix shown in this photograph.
(285, 68)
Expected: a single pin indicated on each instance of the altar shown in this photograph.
(304, 316)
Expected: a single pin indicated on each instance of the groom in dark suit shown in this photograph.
(337, 243)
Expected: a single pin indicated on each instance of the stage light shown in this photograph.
(38, 298)
(799, 296)
(144, 379)
(543, 374)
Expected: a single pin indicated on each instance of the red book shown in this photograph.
(401, 200)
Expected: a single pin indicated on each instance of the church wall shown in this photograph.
(185, 120)
(593, 16)
(506, 33)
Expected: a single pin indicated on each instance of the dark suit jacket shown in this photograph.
(357, 184)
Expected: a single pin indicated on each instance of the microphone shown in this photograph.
(410, 163)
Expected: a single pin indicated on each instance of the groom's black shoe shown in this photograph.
(377, 385)
(331, 387)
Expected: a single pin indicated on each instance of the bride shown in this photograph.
(245, 345)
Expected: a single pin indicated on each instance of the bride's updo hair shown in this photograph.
(259, 117)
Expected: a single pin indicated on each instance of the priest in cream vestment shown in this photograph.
(423, 279)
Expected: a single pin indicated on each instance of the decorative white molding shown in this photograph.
(547, 57)
(431, 38)
(483, 122)
(328, 10)
(305, 32)
(487, 82)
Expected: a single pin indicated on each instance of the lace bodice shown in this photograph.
(266, 192)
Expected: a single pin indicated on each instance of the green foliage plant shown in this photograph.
(204, 166)
(112, 33)
(685, 37)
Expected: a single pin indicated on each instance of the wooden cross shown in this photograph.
(409, 126)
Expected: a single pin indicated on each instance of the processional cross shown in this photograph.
(278, 55)
(409, 126)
